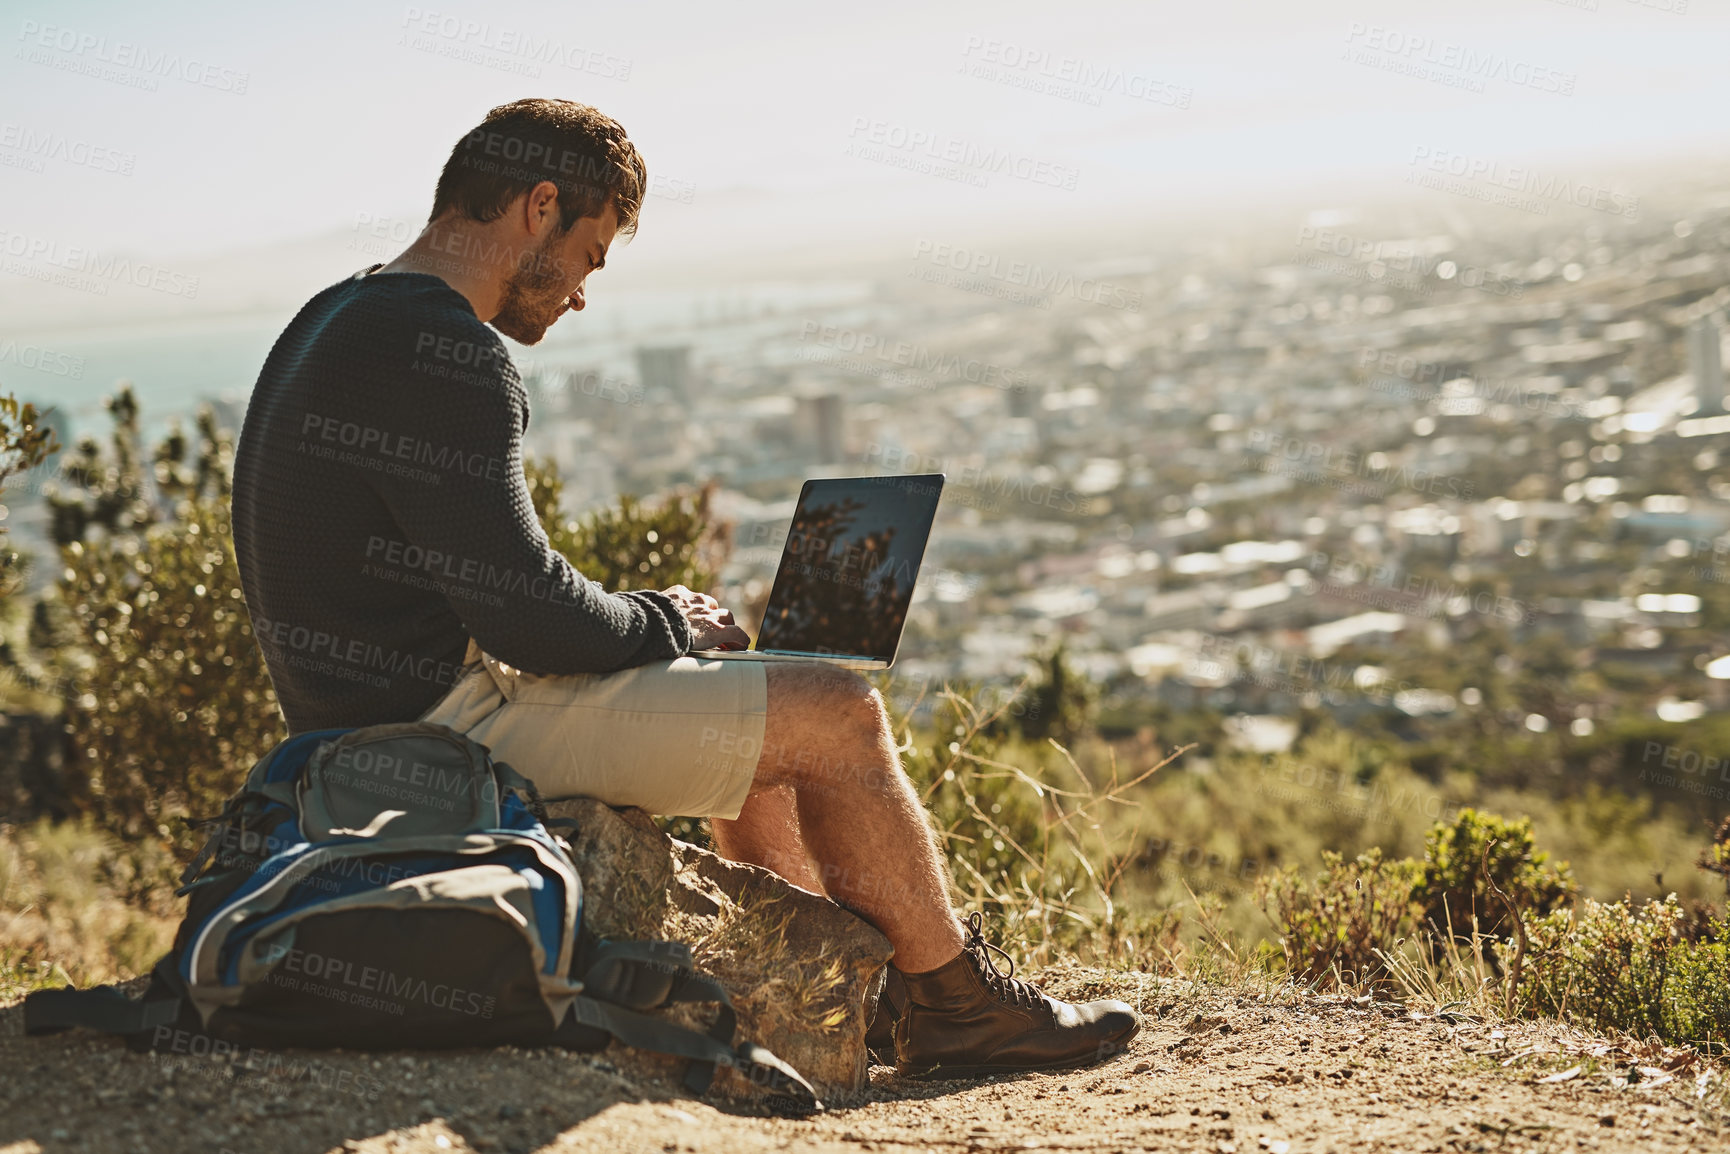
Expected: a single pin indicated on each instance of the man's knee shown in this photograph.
(826, 724)
(842, 697)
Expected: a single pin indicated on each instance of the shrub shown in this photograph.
(24, 443)
(168, 701)
(106, 486)
(72, 893)
(1059, 705)
(1626, 967)
(1456, 894)
(635, 545)
(1335, 929)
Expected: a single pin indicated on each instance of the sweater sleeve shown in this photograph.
(470, 523)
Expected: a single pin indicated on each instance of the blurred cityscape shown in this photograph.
(1258, 479)
(1369, 466)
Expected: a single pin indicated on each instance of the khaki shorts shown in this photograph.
(675, 737)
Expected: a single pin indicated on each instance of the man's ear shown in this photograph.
(541, 207)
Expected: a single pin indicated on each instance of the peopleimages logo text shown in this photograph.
(40, 145)
(1026, 275)
(91, 48)
(1470, 64)
(940, 146)
(279, 636)
(506, 41)
(1519, 178)
(1071, 70)
(369, 438)
(47, 253)
(343, 974)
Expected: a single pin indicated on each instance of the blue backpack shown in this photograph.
(394, 887)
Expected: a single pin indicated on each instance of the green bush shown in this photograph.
(167, 701)
(1059, 705)
(1340, 928)
(1456, 895)
(105, 485)
(1333, 929)
(24, 443)
(634, 545)
(170, 703)
(77, 905)
(984, 792)
(1618, 966)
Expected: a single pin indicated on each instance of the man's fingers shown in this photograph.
(720, 638)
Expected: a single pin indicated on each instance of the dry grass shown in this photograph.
(750, 939)
(77, 908)
(1032, 840)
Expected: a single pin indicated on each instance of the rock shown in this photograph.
(798, 966)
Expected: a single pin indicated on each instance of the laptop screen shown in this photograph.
(847, 573)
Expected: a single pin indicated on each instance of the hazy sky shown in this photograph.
(746, 111)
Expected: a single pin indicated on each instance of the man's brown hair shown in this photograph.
(520, 144)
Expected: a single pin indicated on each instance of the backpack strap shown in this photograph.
(787, 1088)
(240, 809)
(642, 974)
(104, 1008)
(623, 978)
(108, 1010)
(513, 782)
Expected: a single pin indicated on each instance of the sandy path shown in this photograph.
(1211, 1071)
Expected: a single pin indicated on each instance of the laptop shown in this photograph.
(847, 573)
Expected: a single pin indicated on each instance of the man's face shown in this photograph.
(549, 279)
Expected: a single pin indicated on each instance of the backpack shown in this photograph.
(395, 887)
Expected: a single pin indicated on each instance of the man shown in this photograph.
(394, 570)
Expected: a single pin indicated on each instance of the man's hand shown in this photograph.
(711, 626)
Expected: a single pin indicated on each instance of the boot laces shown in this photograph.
(1005, 985)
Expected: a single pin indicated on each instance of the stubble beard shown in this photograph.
(534, 296)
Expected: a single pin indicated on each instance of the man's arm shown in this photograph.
(518, 597)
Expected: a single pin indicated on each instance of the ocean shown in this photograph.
(174, 366)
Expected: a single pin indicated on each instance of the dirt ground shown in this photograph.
(1212, 1070)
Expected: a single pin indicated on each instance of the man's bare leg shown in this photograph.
(827, 741)
(766, 833)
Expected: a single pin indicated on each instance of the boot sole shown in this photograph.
(945, 1072)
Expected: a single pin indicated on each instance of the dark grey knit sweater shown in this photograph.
(381, 518)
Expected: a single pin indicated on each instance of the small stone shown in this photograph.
(1142, 1067)
(1606, 1119)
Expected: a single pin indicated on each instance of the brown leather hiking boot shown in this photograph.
(965, 1018)
(880, 1030)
